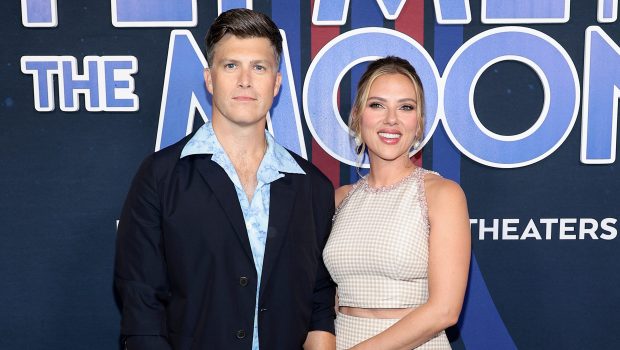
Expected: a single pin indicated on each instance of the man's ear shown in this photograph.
(208, 80)
(276, 88)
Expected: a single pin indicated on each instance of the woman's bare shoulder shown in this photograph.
(439, 189)
(341, 193)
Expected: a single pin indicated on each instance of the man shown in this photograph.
(220, 239)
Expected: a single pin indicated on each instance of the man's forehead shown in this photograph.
(234, 39)
(253, 48)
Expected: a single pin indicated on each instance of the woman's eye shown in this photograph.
(375, 105)
(408, 108)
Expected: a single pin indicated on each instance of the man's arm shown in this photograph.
(140, 271)
(323, 314)
(143, 342)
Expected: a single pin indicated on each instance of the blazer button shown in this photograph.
(240, 334)
(243, 281)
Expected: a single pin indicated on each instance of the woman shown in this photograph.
(400, 244)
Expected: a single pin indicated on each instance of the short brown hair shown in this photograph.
(243, 23)
(382, 66)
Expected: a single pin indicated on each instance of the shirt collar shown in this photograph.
(276, 160)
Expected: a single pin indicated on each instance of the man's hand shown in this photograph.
(320, 340)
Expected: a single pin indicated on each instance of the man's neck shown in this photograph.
(237, 140)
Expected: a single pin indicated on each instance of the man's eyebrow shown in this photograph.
(252, 62)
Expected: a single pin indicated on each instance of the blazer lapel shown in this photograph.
(281, 202)
(224, 190)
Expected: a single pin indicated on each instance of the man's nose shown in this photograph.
(245, 78)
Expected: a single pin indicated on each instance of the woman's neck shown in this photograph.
(388, 172)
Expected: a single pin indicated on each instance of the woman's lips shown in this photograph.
(389, 137)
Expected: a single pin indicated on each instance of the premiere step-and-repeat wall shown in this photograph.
(522, 111)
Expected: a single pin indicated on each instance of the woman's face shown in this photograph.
(389, 119)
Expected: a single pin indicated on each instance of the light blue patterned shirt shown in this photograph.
(276, 161)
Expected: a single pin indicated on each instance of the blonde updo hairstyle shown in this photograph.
(382, 66)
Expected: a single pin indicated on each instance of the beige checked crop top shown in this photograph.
(377, 252)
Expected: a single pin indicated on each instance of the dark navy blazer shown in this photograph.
(184, 270)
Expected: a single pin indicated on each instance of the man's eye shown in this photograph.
(259, 67)
(230, 65)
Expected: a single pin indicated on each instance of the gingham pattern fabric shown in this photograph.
(351, 331)
(377, 253)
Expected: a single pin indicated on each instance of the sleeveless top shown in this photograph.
(377, 252)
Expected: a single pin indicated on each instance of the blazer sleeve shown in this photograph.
(140, 268)
(323, 313)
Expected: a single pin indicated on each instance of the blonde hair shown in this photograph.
(383, 66)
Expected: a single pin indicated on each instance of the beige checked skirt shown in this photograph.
(351, 330)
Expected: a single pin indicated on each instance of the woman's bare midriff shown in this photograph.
(374, 313)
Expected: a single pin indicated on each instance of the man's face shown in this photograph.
(243, 80)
